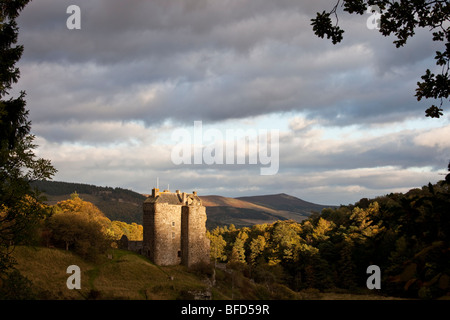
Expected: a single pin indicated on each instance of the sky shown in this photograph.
(108, 101)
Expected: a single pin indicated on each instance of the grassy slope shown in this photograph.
(125, 276)
(131, 276)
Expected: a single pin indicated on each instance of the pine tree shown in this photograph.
(18, 163)
(257, 247)
(347, 267)
(238, 250)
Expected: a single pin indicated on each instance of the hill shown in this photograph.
(126, 205)
(125, 275)
(116, 203)
(247, 211)
(287, 203)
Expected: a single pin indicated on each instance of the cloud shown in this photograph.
(300, 124)
(104, 99)
(96, 132)
(312, 165)
(436, 138)
(258, 59)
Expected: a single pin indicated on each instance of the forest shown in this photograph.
(63, 188)
(406, 235)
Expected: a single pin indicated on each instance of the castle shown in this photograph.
(174, 229)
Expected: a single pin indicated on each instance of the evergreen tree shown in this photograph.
(18, 163)
(238, 250)
(346, 267)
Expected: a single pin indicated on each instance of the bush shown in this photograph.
(73, 231)
(15, 286)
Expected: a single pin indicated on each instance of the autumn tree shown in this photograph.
(238, 249)
(132, 231)
(87, 209)
(20, 206)
(346, 265)
(79, 226)
(362, 221)
(257, 246)
(402, 18)
(319, 231)
(217, 245)
(406, 235)
(287, 240)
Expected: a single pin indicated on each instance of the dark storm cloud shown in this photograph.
(213, 60)
(118, 30)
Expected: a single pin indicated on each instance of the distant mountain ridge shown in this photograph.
(126, 205)
(250, 210)
(116, 203)
(283, 201)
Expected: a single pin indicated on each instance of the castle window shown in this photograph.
(173, 235)
(179, 253)
(173, 223)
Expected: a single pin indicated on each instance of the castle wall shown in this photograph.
(148, 224)
(175, 229)
(167, 232)
(194, 243)
(162, 233)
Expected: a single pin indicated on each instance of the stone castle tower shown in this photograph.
(174, 229)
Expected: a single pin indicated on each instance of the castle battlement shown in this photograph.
(175, 228)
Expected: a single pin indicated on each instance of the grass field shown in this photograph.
(125, 275)
(122, 275)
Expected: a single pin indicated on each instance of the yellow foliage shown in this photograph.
(362, 221)
(3, 211)
(86, 209)
(133, 231)
(322, 227)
